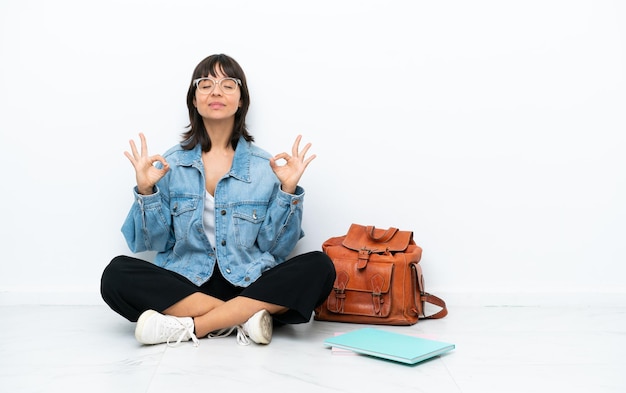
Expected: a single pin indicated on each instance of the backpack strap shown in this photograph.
(422, 297)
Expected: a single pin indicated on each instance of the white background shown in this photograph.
(492, 129)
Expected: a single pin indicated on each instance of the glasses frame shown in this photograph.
(218, 82)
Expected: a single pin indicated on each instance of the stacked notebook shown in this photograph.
(389, 345)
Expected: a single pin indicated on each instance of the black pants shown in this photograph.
(131, 286)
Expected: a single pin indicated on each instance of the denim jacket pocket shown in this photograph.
(183, 210)
(247, 221)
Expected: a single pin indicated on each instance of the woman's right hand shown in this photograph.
(147, 174)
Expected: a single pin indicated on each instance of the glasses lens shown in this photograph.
(205, 86)
(228, 85)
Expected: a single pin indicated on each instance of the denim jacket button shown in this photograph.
(223, 212)
(247, 279)
(223, 242)
(228, 271)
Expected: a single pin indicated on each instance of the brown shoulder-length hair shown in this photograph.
(196, 133)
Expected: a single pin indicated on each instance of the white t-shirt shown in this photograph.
(208, 218)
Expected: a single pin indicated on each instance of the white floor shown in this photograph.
(498, 349)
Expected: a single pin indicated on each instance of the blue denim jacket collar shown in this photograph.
(241, 163)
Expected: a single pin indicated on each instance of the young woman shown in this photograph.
(224, 217)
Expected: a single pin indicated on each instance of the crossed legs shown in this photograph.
(289, 291)
(211, 314)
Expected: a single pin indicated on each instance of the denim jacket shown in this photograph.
(257, 225)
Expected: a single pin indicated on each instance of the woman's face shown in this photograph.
(217, 105)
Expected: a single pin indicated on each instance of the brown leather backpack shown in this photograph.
(379, 279)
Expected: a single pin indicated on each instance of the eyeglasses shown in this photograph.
(206, 85)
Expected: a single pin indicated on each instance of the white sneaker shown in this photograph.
(156, 328)
(258, 328)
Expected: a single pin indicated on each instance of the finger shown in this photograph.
(283, 156)
(133, 148)
(273, 162)
(130, 157)
(160, 159)
(308, 160)
(305, 150)
(296, 145)
(144, 145)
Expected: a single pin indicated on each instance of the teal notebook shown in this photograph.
(388, 345)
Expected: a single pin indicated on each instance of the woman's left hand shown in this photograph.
(290, 173)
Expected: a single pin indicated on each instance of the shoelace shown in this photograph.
(182, 331)
(242, 337)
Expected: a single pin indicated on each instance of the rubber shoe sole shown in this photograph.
(259, 327)
(140, 326)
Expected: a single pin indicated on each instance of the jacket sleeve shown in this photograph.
(147, 226)
(283, 224)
